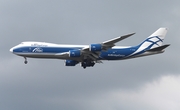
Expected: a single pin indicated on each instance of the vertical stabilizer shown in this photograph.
(159, 35)
(161, 32)
(155, 39)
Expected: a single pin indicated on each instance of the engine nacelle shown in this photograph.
(71, 62)
(74, 53)
(95, 47)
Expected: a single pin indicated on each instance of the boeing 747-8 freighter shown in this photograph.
(88, 55)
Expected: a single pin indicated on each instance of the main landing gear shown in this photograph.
(25, 60)
(87, 63)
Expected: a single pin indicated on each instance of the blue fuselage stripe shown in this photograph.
(110, 54)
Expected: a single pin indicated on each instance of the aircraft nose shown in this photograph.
(11, 50)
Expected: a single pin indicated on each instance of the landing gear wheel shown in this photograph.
(25, 60)
(84, 67)
(83, 64)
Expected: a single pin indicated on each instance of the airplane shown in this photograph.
(88, 55)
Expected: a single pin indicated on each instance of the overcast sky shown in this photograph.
(148, 83)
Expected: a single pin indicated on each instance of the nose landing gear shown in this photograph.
(25, 62)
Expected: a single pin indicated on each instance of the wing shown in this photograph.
(117, 39)
(111, 43)
(92, 52)
(104, 46)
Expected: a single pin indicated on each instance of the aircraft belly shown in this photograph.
(46, 55)
(37, 55)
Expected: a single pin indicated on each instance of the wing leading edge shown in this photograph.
(110, 43)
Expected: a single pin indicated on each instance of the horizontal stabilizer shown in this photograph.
(160, 48)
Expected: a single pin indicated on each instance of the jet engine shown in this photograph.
(74, 53)
(71, 62)
(95, 47)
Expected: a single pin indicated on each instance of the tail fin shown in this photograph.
(155, 39)
(153, 44)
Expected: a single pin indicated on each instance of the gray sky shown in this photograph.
(151, 83)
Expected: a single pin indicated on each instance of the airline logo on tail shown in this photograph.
(153, 41)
